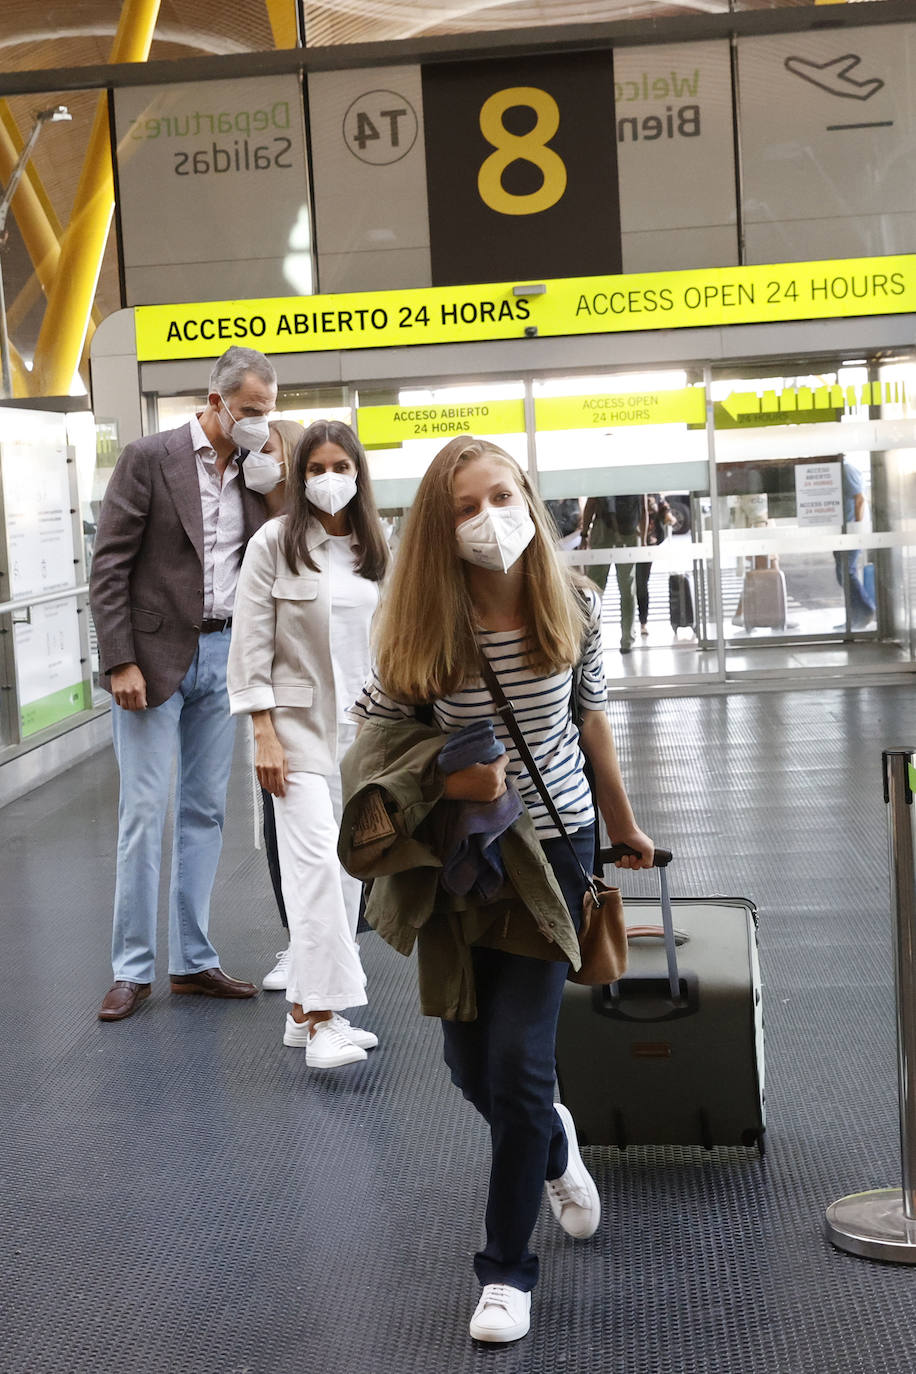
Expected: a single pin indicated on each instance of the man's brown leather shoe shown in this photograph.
(211, 982)
(122, 1000)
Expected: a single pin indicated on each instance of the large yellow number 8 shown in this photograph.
(530, 147)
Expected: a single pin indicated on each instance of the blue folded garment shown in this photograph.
(467, 833)
(474, 743)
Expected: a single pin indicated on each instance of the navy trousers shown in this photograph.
(504, 1062)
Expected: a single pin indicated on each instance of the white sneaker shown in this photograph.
(276, 980)
(503, 1314)
(326, 1047)
(295, 1033)
(573, 1196)
(366, 1040)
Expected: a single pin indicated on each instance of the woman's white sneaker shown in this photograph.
(503, 1314)
(276, 980)
(328, 1048)
(366, 1040)
(573, 1196)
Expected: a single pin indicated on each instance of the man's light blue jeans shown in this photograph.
(195, 724)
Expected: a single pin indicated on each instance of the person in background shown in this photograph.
(616, 522)
(567, 516)
(477, 574)
(860, 607)
(658, 518)
(307, 593)
(172, 531)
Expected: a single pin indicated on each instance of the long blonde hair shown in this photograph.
(425, 643)
(289, 432)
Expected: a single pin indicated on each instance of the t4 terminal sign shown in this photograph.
(506, 310)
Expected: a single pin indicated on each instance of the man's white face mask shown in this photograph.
(331, 491)
(496, 538)
(251, 432)
(262, 473)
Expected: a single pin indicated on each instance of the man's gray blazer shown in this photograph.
(147, 584)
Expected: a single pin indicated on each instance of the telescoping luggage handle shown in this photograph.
(663, 858)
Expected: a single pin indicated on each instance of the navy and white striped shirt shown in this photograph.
(542, 708)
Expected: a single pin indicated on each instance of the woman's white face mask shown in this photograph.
(331, 491)
(496, 538)
(261, 472)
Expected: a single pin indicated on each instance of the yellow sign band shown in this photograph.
(566, 306)
(380, 425)
(687, 405)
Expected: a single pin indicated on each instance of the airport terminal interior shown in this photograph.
(663, 254)
(182, 1193)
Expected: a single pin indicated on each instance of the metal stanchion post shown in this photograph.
(881, 1224)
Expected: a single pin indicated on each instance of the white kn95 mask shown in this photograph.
(496, 538)
(251, 432)
(331, 491)
(261, 472)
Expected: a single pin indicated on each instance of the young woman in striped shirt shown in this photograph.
(477, 571)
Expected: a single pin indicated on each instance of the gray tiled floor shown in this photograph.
(179, 1193)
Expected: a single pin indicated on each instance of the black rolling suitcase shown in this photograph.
(680, 602)
(672, 1054)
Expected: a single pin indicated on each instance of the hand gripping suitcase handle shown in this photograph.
(662, 860)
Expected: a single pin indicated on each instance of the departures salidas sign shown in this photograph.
(197, 165)
(566, 306)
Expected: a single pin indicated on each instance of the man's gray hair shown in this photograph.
(229, 371)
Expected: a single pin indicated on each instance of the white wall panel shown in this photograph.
(675, 153)
(828, 147)
(213, 173)
(369, 167)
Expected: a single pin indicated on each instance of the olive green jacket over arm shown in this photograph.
(406, 904)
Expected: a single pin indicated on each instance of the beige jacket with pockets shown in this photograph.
(280, 657)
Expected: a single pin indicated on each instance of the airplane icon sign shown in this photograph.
(835, 76)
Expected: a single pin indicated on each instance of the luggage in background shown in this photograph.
(639, 1066)
(680, 602)
(763, 599)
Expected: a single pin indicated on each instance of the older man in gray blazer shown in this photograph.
(173, 528)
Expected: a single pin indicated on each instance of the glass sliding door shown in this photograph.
(630, 451)
(815, 515)
(778, 544)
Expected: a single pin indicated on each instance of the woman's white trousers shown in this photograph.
(322, 901)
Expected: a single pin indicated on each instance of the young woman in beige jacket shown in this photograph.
(300, 654)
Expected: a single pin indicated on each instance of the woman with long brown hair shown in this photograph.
(477, 580)
(300, 649)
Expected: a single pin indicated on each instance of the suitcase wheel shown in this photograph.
(756, 1135)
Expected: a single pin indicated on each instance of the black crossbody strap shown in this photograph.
(507, 715)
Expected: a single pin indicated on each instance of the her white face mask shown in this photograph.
(261, 472)
(331, 491)
(251, 432)
(496, 538)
